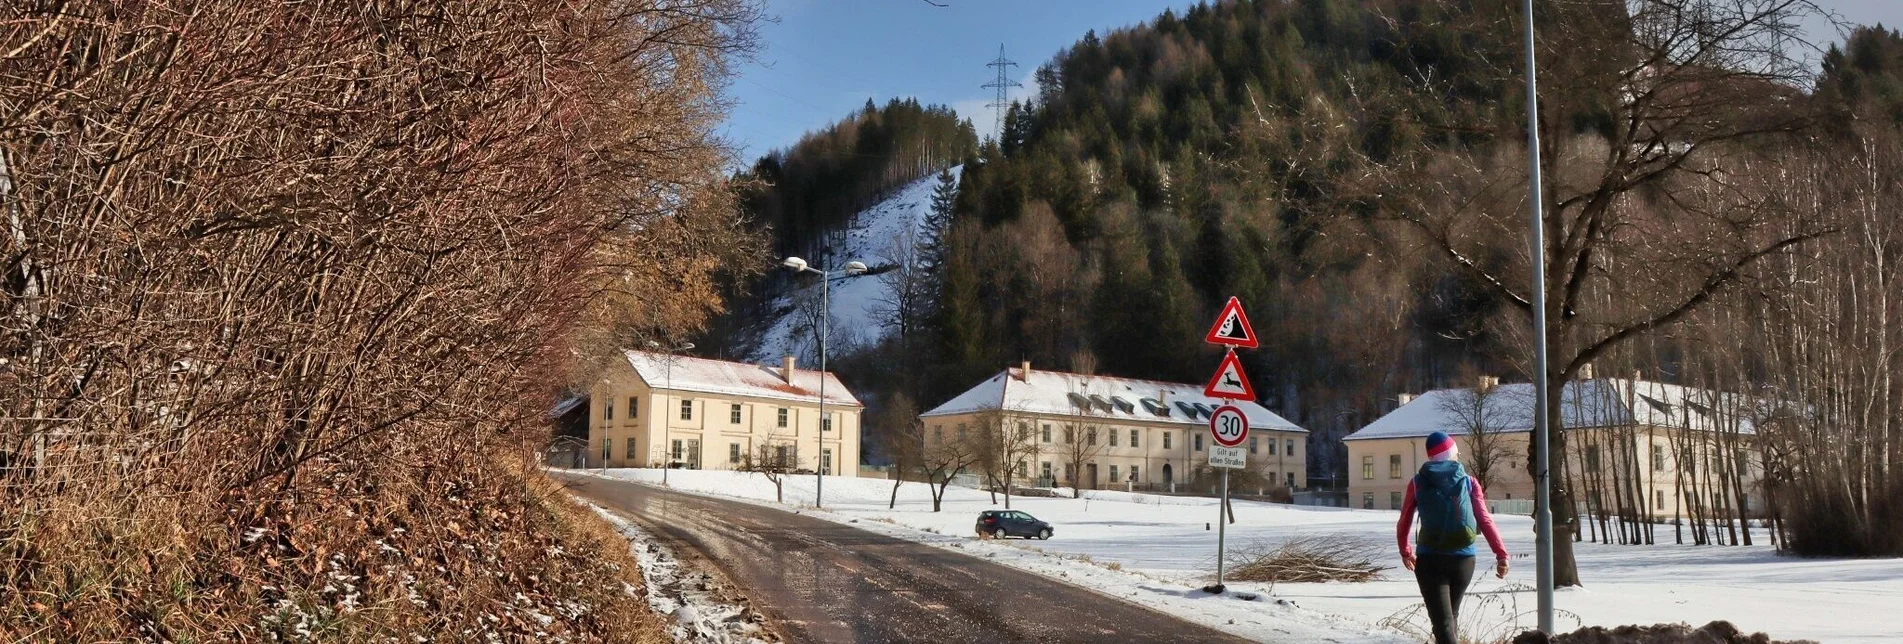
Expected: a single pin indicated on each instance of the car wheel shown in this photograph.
(1044, 535)
(999, 533)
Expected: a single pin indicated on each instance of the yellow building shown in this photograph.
(1646, 447)
(656, 409)
(1098, 431)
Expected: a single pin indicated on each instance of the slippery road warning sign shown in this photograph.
(1229, 382)
(1232, 327)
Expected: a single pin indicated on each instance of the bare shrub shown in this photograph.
(1718, 632)
(1310, 558)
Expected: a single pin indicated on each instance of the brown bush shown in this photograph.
(1719, 632)
(1310, 558)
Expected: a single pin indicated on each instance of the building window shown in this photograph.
(677, 451)
(1291, 482)
(629, 449)
(1070, 435)
(1592, 456)
(1271, 476)
(1394, 466)
(608, 411)
(1021, 469)
(938, 434)
(1660, 502)
(607, 449)
(1367, 500)
(1658, 458)
(1090, 436)
(1394, 500)
(961, 432)
(1113, 474)
(826, 422)
(826, 461)
(1252, 444)
(782, 423)
(733, 452)
(1047, 438)
(1133, 474)
(1367, 468)
(1044, 468)
(1291, 447)
(733, 415)
(1197, 442)
(634, 407)
(1113, 443)
(687, 410)
(1166, 440)
(1133, 440)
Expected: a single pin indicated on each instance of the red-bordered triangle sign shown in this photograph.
(1232, 327)
(1229, 381)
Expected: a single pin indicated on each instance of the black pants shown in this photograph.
(1443, 580)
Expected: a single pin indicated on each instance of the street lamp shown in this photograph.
(1542, 433)
(798, 265)
(665, 432)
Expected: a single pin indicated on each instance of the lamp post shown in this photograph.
(1543, 505)
(665, 432)
(798, 265)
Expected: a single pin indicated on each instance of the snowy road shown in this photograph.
(821, 581)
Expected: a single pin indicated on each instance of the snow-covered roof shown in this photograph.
(566, 405)
(684, 373)
(1056, 392)
(1601, 402)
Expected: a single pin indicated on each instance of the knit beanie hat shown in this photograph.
(1440, 447)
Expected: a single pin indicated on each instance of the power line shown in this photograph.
(1003, 84)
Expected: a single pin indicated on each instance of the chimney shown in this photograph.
(1585, 371)
(1406, 398)
(1025, 372)
(786, 369)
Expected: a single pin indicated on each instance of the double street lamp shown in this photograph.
(798, 265)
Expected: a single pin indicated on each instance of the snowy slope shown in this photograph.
(870, 238)
(1153, 550)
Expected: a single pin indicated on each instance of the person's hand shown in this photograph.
(1407, 560)
(1500, 568)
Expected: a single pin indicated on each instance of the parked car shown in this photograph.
(1011, 523)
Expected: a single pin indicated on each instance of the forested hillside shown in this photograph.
(1355, 171)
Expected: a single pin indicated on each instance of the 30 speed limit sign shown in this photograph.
(1229, 426)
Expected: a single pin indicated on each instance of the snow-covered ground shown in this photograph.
(1154, 550)
(870, 238)
(692, 598)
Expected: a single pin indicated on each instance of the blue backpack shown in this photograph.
(1446, 509)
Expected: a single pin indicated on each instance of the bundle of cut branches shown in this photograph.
(1309, 558)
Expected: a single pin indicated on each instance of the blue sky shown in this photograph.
(823, 58)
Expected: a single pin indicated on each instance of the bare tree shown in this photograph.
(1082, 441)
(773, 460)
(1481, 414)
(1004, 447)
(941, 460)
(1699, 93)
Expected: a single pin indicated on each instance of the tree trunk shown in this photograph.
(894, 502)
(1564, 511)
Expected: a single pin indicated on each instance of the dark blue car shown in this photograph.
(999, 524)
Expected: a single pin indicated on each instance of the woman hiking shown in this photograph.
(1451, 506)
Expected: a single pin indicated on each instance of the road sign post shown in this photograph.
(1228, 426)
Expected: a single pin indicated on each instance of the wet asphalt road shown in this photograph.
(821, 581)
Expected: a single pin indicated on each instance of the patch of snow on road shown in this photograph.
(1157, 550)
(871, 238)
(673, 589)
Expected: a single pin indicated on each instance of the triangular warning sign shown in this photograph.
(1229, 381)
(1232, 327)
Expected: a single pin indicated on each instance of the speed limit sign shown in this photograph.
(1228, 426)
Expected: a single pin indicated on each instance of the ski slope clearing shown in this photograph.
(872, 237)
(1154, 550)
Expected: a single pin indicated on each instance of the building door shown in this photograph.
(1169, 476)
(693, 454)
(826, 461)
(1090, 474)
(675, 453)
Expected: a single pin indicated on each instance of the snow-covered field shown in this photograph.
(870, 238)
(1154, 550)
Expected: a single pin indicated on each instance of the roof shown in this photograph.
(1601, 402)
(567, 405)
(685, 373)
(1070, 394)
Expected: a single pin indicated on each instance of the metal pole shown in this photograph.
(667, 430)
(1222, 527)
(1543, 504)
(825, 311)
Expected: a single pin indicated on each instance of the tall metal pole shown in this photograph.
(825, 311)
(1543, 504)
